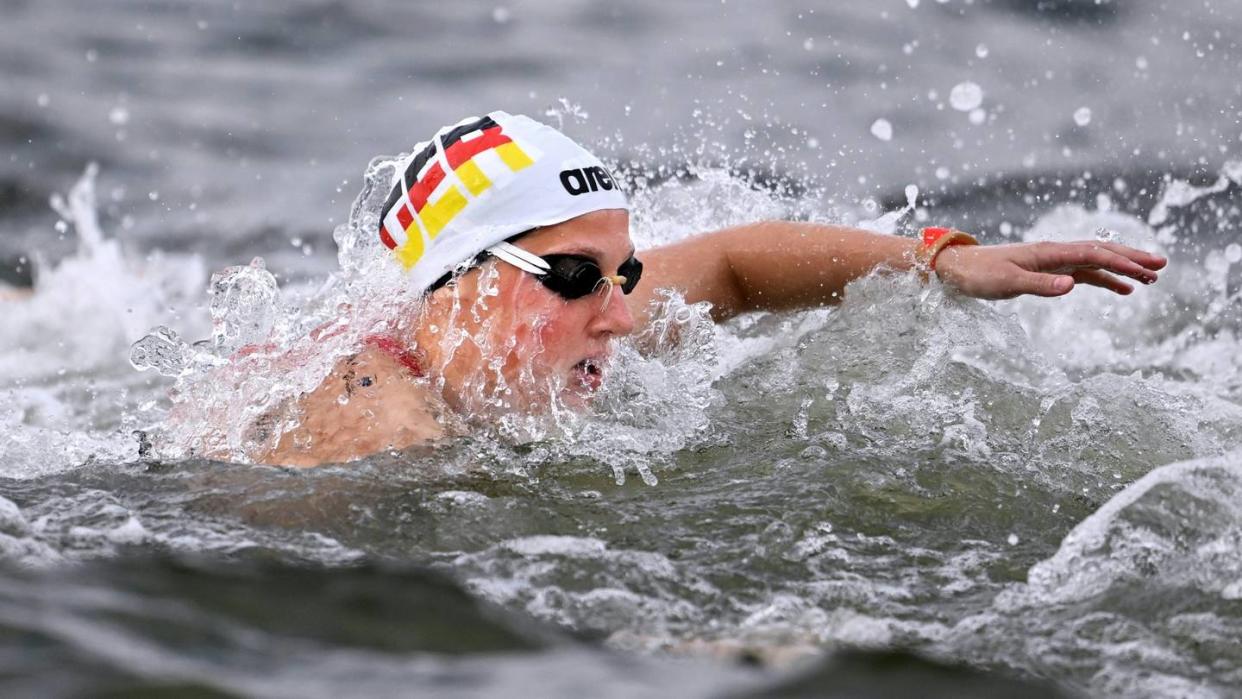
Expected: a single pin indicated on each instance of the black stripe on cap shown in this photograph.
(477, 125)
(416, 165)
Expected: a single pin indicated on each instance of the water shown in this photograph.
(1020, 493)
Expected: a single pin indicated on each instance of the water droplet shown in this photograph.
(1105, 235)
(981, 51)
(42, 100)
(808, 45)
(966, 96)
(882, 130)
(244, 306)
(1082, 116)
(1233, 253)
(161, 350)
(912, 3)
(978, 116)
(1013, 539)
(501, 15)
(119, 116)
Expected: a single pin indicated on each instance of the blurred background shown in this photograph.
(240, 128)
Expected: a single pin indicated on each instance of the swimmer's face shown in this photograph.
(526, 343)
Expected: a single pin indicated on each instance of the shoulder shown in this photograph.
(371, 402)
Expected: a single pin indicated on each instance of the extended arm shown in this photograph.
(781, 265)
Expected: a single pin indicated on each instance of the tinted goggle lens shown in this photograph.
(573, 277)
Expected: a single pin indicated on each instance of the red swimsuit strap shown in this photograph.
(398, 351)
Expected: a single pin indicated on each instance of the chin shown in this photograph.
(579, 399)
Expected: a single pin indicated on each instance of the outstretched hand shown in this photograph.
(1044, 269)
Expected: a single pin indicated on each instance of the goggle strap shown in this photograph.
(523, 260)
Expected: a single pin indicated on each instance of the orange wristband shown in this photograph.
(935, 240)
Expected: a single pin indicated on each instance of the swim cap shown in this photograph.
(481, 181)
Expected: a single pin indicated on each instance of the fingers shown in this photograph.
(1149, 260)
(1120, 264)
(1104, 280)
(1087, 255)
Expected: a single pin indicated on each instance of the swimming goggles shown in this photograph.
(569, 276)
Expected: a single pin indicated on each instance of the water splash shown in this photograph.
(161, 350)
(245, 307)
(86, 310)
(1180, 193)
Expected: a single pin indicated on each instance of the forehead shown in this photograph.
(603, 233)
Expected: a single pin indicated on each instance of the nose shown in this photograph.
(614, 315)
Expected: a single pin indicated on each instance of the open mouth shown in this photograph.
(589, 372)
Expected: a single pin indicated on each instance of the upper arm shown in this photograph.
(771, 265)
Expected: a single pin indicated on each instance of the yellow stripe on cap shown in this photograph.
(473, 177)
(514, 156)
(412, 250)
(436, 216)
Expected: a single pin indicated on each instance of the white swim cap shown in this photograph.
(482, 181)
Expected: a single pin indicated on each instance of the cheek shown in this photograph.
(537, 325)
(563, 334)
(549, 331)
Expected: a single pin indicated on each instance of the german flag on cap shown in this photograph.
(478, 153)
(482, 180)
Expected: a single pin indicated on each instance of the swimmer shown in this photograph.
(517, 239)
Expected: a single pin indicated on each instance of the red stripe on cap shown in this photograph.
(424, 187)
(462, 151)
(386, 238)
(404, 217)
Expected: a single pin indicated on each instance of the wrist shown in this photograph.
(936, 242)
